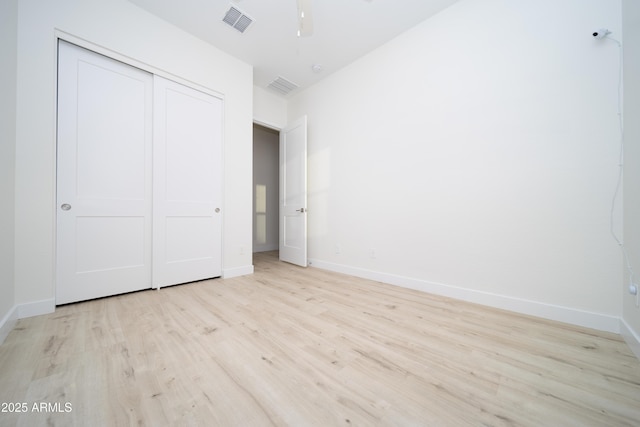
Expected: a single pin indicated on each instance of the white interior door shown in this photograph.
(293, 193)
(187, 180)
(103, 176)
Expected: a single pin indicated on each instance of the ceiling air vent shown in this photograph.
(282, 85)
(237, 19)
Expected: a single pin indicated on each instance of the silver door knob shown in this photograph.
(300, 210)
(65, 207)
(217, 210)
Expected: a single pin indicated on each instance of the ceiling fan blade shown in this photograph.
(305, 21)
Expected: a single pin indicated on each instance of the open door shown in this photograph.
(293, 193)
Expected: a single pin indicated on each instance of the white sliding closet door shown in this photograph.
(139, 179)
(103, 176)
(187, 180)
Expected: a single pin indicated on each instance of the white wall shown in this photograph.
(631, 24)
(266, 166)
(476, 156)
(120, 27)
(8, 46)
(269, 109)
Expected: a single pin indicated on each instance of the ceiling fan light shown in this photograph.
(305, 23)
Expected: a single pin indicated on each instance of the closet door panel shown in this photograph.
(103, 176)
(187, 226)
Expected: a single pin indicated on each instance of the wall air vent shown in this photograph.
(282, 85)
(237, 19)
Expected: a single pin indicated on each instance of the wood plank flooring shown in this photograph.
(288, 346)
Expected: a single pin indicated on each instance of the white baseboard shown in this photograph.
(599, 321)
(21, 311)
(631, 337)
(8, 322)
(238, 271)
(36, 308)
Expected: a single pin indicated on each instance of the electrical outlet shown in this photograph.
(372, 253)
(241, 250)
(338, 249)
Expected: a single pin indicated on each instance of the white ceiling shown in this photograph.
(343, 30)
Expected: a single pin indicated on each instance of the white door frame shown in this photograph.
(303, 261)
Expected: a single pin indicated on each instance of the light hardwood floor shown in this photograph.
(305, 347)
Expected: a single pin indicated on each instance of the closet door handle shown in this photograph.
(300, 210)
(65, 207)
